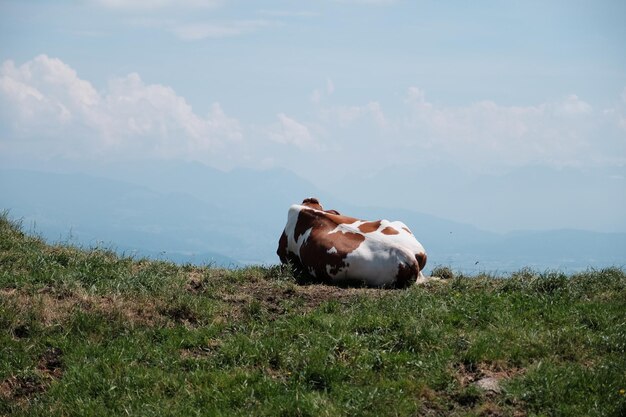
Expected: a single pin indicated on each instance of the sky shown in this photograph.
(344, 93)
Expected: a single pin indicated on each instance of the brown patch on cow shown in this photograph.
(341, 219)
(314, 252)
(389, 231)
(294, 260)
(324, 265)
(282, 248)
(369, 227)
(421, 260)
(407, 230)
(306, 220)
(311, 219)
(407, 275)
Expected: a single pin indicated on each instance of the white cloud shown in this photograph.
(319, 94)
(213, 30)
(572, 105)
(483, 135)
(376, 111)
(186, 29)
(316, 96)
(370, 2)
(416, 96)
(622, 123)
(617, 114)
(552, 132)
(45, 98)
(345, 116)
(155, 4)
(194, 31)
(289, 131)
(330, 87)
(44, 93)
(289, 13)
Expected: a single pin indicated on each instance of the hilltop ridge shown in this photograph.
(88, 332)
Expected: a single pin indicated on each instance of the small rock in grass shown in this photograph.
(489, 384)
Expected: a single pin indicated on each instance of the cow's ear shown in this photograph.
(333, 212)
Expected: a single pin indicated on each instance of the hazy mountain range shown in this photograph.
(188, 212)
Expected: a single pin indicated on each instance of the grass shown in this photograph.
(87, 332)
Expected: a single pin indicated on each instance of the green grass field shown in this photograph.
(86, 332)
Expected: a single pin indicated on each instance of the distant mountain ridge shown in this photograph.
(188, 212)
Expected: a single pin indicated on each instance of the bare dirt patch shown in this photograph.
(201, 352)
(19, 388)
(486, 376)
(196, 282)
(51, 362)
(490, 409)
(275, 298)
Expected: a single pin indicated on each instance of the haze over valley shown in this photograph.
(188, 212)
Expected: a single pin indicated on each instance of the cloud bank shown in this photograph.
(48, 110)
(51, 111)
(555, 133)
(291, 132)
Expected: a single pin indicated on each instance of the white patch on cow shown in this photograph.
(332, 250)
(290, 229)
(376, 261)
(348, 227)
(378, 257)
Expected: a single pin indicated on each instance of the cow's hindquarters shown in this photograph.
(380, 265)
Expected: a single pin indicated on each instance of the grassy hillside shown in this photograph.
(85, 332)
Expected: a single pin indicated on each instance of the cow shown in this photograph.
(334, 248)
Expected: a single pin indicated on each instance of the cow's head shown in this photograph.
(314, 203)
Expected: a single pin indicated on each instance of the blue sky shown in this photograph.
(332, 90)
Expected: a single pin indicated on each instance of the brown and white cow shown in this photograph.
(334, 248)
